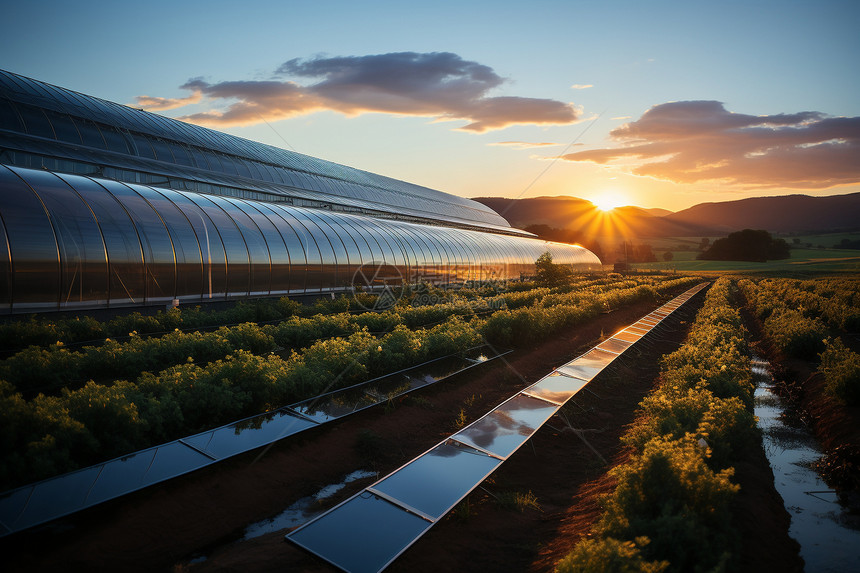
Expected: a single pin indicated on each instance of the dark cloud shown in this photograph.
(440, 85)
(693, 141)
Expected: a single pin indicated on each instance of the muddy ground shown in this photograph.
(204, 514)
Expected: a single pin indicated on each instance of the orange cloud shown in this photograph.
(438, 85)
(151, 103)
(694, 141)
(524, 144)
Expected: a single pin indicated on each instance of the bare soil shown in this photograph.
(204, 513)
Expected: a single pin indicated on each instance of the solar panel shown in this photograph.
(363, 534)
(55, 497)
(555, 387)
(436, 481)
(506, 428)
(354, 535)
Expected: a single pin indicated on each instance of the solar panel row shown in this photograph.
(403, 505)
(49, 499)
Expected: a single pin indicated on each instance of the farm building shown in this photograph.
(103, 205)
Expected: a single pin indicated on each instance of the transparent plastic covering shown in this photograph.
(93, 131)
(55, 497)
(74, 242)
(371, 529)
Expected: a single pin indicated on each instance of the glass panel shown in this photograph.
(12, 503)
(121, 476)
(328, 270)
(588, 365)
(144, 149)
(261, 263)
(32, 245)
(36, 122)
(287, 225)
(9, 118)
(614, 345)
(342, 271)
(214, 258)
(56, 497)
(249, 434)
(180, 154)
(238, 275)
(126, 284)
(162, 150)
(364, 534)
(64, 128)
(507, 427)
(189, 258)
(114, 139)
(627, 336)
(159, 261)
(556, 387)
(634, 329)
(83, 261)
(172, 460)
(313, 256)
(436, 481)
(90, 134)
(5, 273)
(280, 265)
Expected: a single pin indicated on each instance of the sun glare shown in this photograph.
(608, 201)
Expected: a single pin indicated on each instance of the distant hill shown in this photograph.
(574, 213)
(786, 214)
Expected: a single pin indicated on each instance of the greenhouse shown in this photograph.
(103, 205)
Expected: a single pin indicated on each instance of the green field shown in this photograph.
(817, 258)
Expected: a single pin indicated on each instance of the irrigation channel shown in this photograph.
(827, 534)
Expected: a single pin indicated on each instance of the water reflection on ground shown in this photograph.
(302, 510)
(818, 522)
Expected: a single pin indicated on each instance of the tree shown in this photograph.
(668, 256)
(747, 245)
(704, 244)
(549, 274)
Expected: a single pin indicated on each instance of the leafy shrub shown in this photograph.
(670, 495)
(609, 555)
(841, 369)
(795, 334)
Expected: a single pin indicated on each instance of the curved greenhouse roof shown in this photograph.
(105, 206)
(119, 142)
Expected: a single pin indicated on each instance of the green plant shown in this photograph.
(841, 369)
(518, 501)
(610, 555)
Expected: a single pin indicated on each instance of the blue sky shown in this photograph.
(665, 104)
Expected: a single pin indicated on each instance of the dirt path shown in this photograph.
(161, 528)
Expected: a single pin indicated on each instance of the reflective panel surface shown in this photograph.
(434, 482)
(507, 427)
(556, 387)
(614, 345)
(362, 535)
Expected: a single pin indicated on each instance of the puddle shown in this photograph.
(818, 522)
(303, 510)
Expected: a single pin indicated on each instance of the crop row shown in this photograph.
(84, 425)
(671, 508)
(49, 368)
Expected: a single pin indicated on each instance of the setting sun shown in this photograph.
(609, 200)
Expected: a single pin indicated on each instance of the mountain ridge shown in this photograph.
(795, 213)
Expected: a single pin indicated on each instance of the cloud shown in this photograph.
(524, 144)
(694, 141)
(581, 86)
(439, 85)
(151, 103)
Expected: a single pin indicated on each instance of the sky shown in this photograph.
(660, 104)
